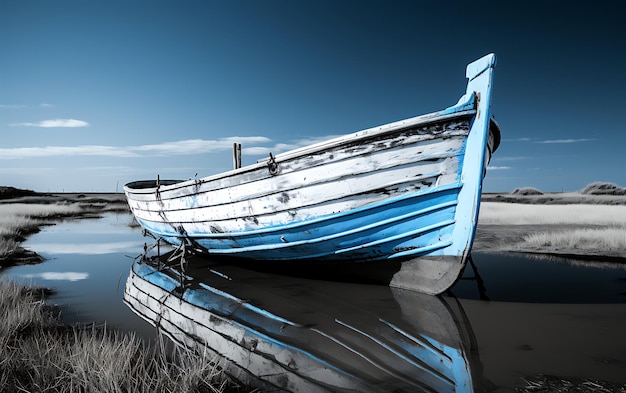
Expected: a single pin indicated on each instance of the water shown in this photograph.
(543, 316)
(86, 265)
(522, 278)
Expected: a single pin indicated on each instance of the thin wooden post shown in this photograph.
(237, 155)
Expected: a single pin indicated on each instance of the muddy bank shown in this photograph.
(113, 201)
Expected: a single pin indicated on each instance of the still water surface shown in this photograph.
(86, 265)
(543, 316)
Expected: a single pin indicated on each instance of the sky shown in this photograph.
(95, 94)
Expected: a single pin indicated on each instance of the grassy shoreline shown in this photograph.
(38, 353)
(578, 230)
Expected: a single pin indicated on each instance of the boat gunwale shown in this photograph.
(269, 194)
(370, 133)
(264, 194)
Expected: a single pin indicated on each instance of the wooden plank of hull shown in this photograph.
(340, 351)
(336, 232)
(365, 179)
(304, 205)
(401, 191)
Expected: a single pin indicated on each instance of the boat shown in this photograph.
(405, 193)
(278, 333)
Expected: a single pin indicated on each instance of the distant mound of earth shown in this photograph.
(527, 191)
(600, 188)
(12, 192)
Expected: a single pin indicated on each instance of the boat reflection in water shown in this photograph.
(281, 333)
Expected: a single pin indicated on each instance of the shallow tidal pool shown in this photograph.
(524, 316)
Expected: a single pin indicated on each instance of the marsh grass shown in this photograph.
(20, 219)
(606, 239)
(40, 210)
(582, 229)
(22, 308)
(496, 213)
(7, 247)
(39, 354)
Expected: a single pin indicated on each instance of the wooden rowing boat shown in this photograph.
(407, 192)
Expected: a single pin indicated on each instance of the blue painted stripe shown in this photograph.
(415, 232)
(152, 275)
(249, 306)
(212, 299)
(353, 231)
(434, 373)
(435, 350)
(399, 238)
(166, 230)
(466, 103)
(446, 359)
(367, 358)
(404, 222)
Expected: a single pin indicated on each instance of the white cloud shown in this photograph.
(197, 146)
(54, 123)
(44, 105)
(266, 150)
(59, 151)
(565, 140)
(513, 158)
(283, 147)
(570, 140)
(184, 147)
(12, 106)
(86, 248)
(498, 168)
(252, 145)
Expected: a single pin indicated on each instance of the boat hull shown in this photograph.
(402, 191)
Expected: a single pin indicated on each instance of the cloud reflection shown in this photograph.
(59, 276)
(86, 248)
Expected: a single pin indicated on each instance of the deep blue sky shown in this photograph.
(96, 94)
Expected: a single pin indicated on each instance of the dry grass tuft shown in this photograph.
(7, 246)
(38, 354)
(21, 309)
(553, 384)
(607, 239)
